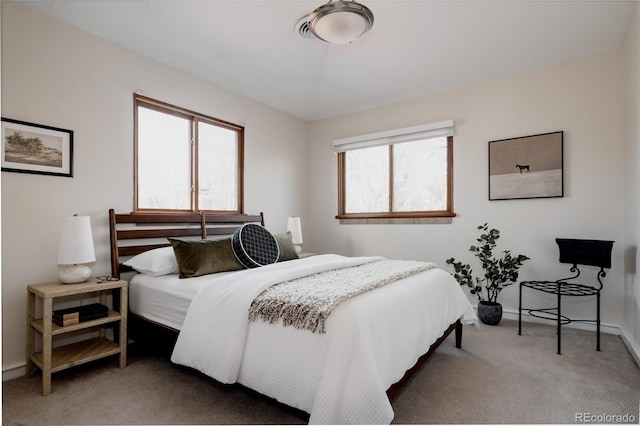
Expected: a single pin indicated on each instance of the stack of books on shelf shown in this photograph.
(77, 314)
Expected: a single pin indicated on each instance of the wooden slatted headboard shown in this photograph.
(135, 233)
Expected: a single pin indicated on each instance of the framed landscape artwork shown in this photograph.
(34, 148)
(526, 167)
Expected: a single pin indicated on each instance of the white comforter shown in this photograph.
(340, 377)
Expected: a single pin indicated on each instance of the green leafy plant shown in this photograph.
(499, 272)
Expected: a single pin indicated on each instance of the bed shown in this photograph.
(369, 346)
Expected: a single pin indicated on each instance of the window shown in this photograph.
(185, 161)
(402, 173)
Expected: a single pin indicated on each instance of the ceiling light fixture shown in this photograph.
(340, 21)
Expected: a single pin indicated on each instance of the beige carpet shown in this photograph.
(498, 377)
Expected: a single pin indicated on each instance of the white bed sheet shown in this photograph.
(165, 299)
(314, 372)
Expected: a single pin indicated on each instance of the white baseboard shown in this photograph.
(604, 328)
(21, 369)
(633, 348)
(14, 372)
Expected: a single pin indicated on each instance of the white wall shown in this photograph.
(583, 98)
(55, 75)
(631, 295)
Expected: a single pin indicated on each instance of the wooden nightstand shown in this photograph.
(50, 359)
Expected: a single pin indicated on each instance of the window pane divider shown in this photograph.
(390, 214)
(194, 118)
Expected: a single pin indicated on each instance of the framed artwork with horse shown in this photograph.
(526, 167)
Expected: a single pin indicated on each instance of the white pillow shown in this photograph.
(156, 262)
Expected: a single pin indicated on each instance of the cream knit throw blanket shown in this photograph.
(306, 302)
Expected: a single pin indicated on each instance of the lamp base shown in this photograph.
(73, 274)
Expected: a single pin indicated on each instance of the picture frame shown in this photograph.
(35, 148)
(527, 167)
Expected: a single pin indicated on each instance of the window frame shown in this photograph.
(390, 214)
(194, 118)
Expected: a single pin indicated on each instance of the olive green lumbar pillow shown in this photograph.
(287, 249)
(201, 257)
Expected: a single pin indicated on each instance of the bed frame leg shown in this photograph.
(458, 334)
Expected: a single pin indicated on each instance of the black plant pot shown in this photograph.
(489, 313)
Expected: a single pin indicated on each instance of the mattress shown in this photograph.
(165, 299)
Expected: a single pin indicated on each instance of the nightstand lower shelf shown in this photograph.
(77, 353)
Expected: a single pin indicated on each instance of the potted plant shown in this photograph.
(499, 272)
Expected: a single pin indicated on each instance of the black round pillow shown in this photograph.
(254, 246)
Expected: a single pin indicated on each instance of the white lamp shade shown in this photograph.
(76, 241)
(294, 226)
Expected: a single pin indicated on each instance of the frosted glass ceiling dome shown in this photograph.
(340, 22)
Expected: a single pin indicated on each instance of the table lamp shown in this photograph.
(76, 248)
(293, 226)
